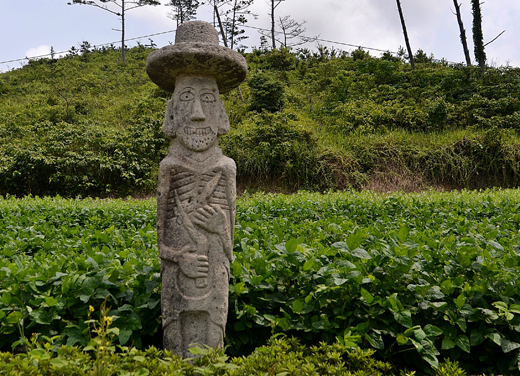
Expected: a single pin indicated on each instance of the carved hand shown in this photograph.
(193, 265)
(211, 218)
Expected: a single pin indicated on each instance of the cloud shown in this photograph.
(38, 51)
(369, 23)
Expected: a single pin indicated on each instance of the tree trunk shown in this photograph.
(123, 29)
(273, 41)
(410, 54)
(225, 44)
(233, 25)
(478, 37)
(220, 26)
(463, 38)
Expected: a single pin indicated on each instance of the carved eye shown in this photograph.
(186, 96)
(207, 97)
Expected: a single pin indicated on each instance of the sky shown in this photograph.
(31, 27)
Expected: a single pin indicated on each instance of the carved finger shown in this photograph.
(204, 212)
(200, 223)
(210, 209)
(200, 217)
(220, 211)
(197, 222)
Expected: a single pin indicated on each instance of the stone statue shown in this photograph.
(196, 193)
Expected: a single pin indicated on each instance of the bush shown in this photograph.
(84, 158)
(275, 147)
(281, 356)
(266, 92)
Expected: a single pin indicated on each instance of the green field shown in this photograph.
(418, 278)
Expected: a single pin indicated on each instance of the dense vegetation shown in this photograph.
(281, 357)
(87, 124)
(417, 278)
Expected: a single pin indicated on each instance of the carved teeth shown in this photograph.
(198, 131)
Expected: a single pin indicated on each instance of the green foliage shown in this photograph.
(281, 356)
(416, 278)
(80, 159)
(81, 125)
(59, 257)
(273, 146)
(468, 97)
(421, 57)
(66, 125)
(449, 368)
(284, 356)
(430, 276)
(457, 160)
(266, 92)
(280, 60)
(360, 54)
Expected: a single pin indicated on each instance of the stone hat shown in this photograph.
(196, 51)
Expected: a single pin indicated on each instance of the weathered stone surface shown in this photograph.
(195, 198)
(196, 51)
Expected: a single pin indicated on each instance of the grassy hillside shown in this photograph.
(87, 124)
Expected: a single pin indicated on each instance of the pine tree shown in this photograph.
(234, 18)
(183, 10)
(119, 9)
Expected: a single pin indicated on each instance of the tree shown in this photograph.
(183, 10)
(478, 36)
(274, 5)
(121, 7)
(291, 29)
(463, 38)
(410, 54)
(215, 5)
(235, 17)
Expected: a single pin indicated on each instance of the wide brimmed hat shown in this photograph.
(196, 51)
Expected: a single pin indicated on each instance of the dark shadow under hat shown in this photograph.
(196, 51)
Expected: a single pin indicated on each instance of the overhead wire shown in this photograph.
(246, 26)
(97, 45)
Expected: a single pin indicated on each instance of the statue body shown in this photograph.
(195, 255)
(195, 218)
(196, 192)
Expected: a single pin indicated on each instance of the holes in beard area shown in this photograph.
(204, 141)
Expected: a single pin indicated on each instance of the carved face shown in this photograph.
(196, 112)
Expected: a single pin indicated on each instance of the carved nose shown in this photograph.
(196, 112)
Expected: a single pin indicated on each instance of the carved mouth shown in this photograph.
(198, 131)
